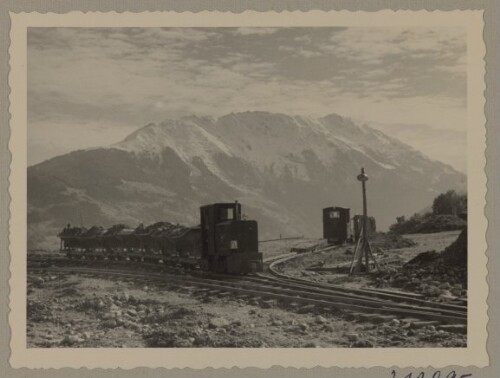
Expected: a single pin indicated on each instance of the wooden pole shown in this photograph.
(365, 223)
(365, 248)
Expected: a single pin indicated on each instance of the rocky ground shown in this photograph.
(438, 281)
(439, 275)
(84, 311)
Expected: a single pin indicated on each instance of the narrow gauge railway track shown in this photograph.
(281, 291)
(394, 296)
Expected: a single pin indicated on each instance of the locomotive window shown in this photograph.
(334, 214)
(227, 214)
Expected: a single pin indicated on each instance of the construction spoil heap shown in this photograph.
(442, 276)
(429, 223)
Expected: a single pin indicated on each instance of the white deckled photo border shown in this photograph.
(474, 355)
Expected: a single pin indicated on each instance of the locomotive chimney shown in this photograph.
(237, 215)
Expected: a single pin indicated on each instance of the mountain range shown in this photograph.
(283, 169)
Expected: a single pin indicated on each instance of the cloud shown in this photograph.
(79, 78)
(300, 51)
(255, 31)
(418, 42)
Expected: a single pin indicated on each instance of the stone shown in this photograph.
(218, 323)
(109, 323)
(379, 319)
(394, 322)
(132, 312)
(352, 336)
(445, 286)
(108, 316)
(363, 317)
(277, 323)
(433, 291)
(409, 320)
(398, 338)
(363, 344)
(114, 308)
(71, 339)
(320, 320)
(117, 313)
(447, 296)
(268, 304)
(303, 326)
(307, 308)
(179, 343)
(456, 328)
(422, 324)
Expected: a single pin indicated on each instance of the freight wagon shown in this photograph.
(222, 243)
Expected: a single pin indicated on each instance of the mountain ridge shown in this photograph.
(282, 168)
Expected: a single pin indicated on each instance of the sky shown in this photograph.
(93, 86)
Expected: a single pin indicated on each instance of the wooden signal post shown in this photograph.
(363, 247)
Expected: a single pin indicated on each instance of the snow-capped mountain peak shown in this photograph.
(284, 169)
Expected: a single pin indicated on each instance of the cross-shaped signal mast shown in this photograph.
(363, 247)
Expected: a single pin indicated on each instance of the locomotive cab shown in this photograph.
(228, 243)
(336, 225)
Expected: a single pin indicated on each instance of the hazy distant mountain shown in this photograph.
(283, 169)
(429, 141)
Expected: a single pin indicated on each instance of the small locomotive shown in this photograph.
(228, 243)
(339, 228)
(222, 243)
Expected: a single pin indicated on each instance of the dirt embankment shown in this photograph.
(429, 223)
(442, 275)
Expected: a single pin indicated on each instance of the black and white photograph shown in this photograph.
(247, 187)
